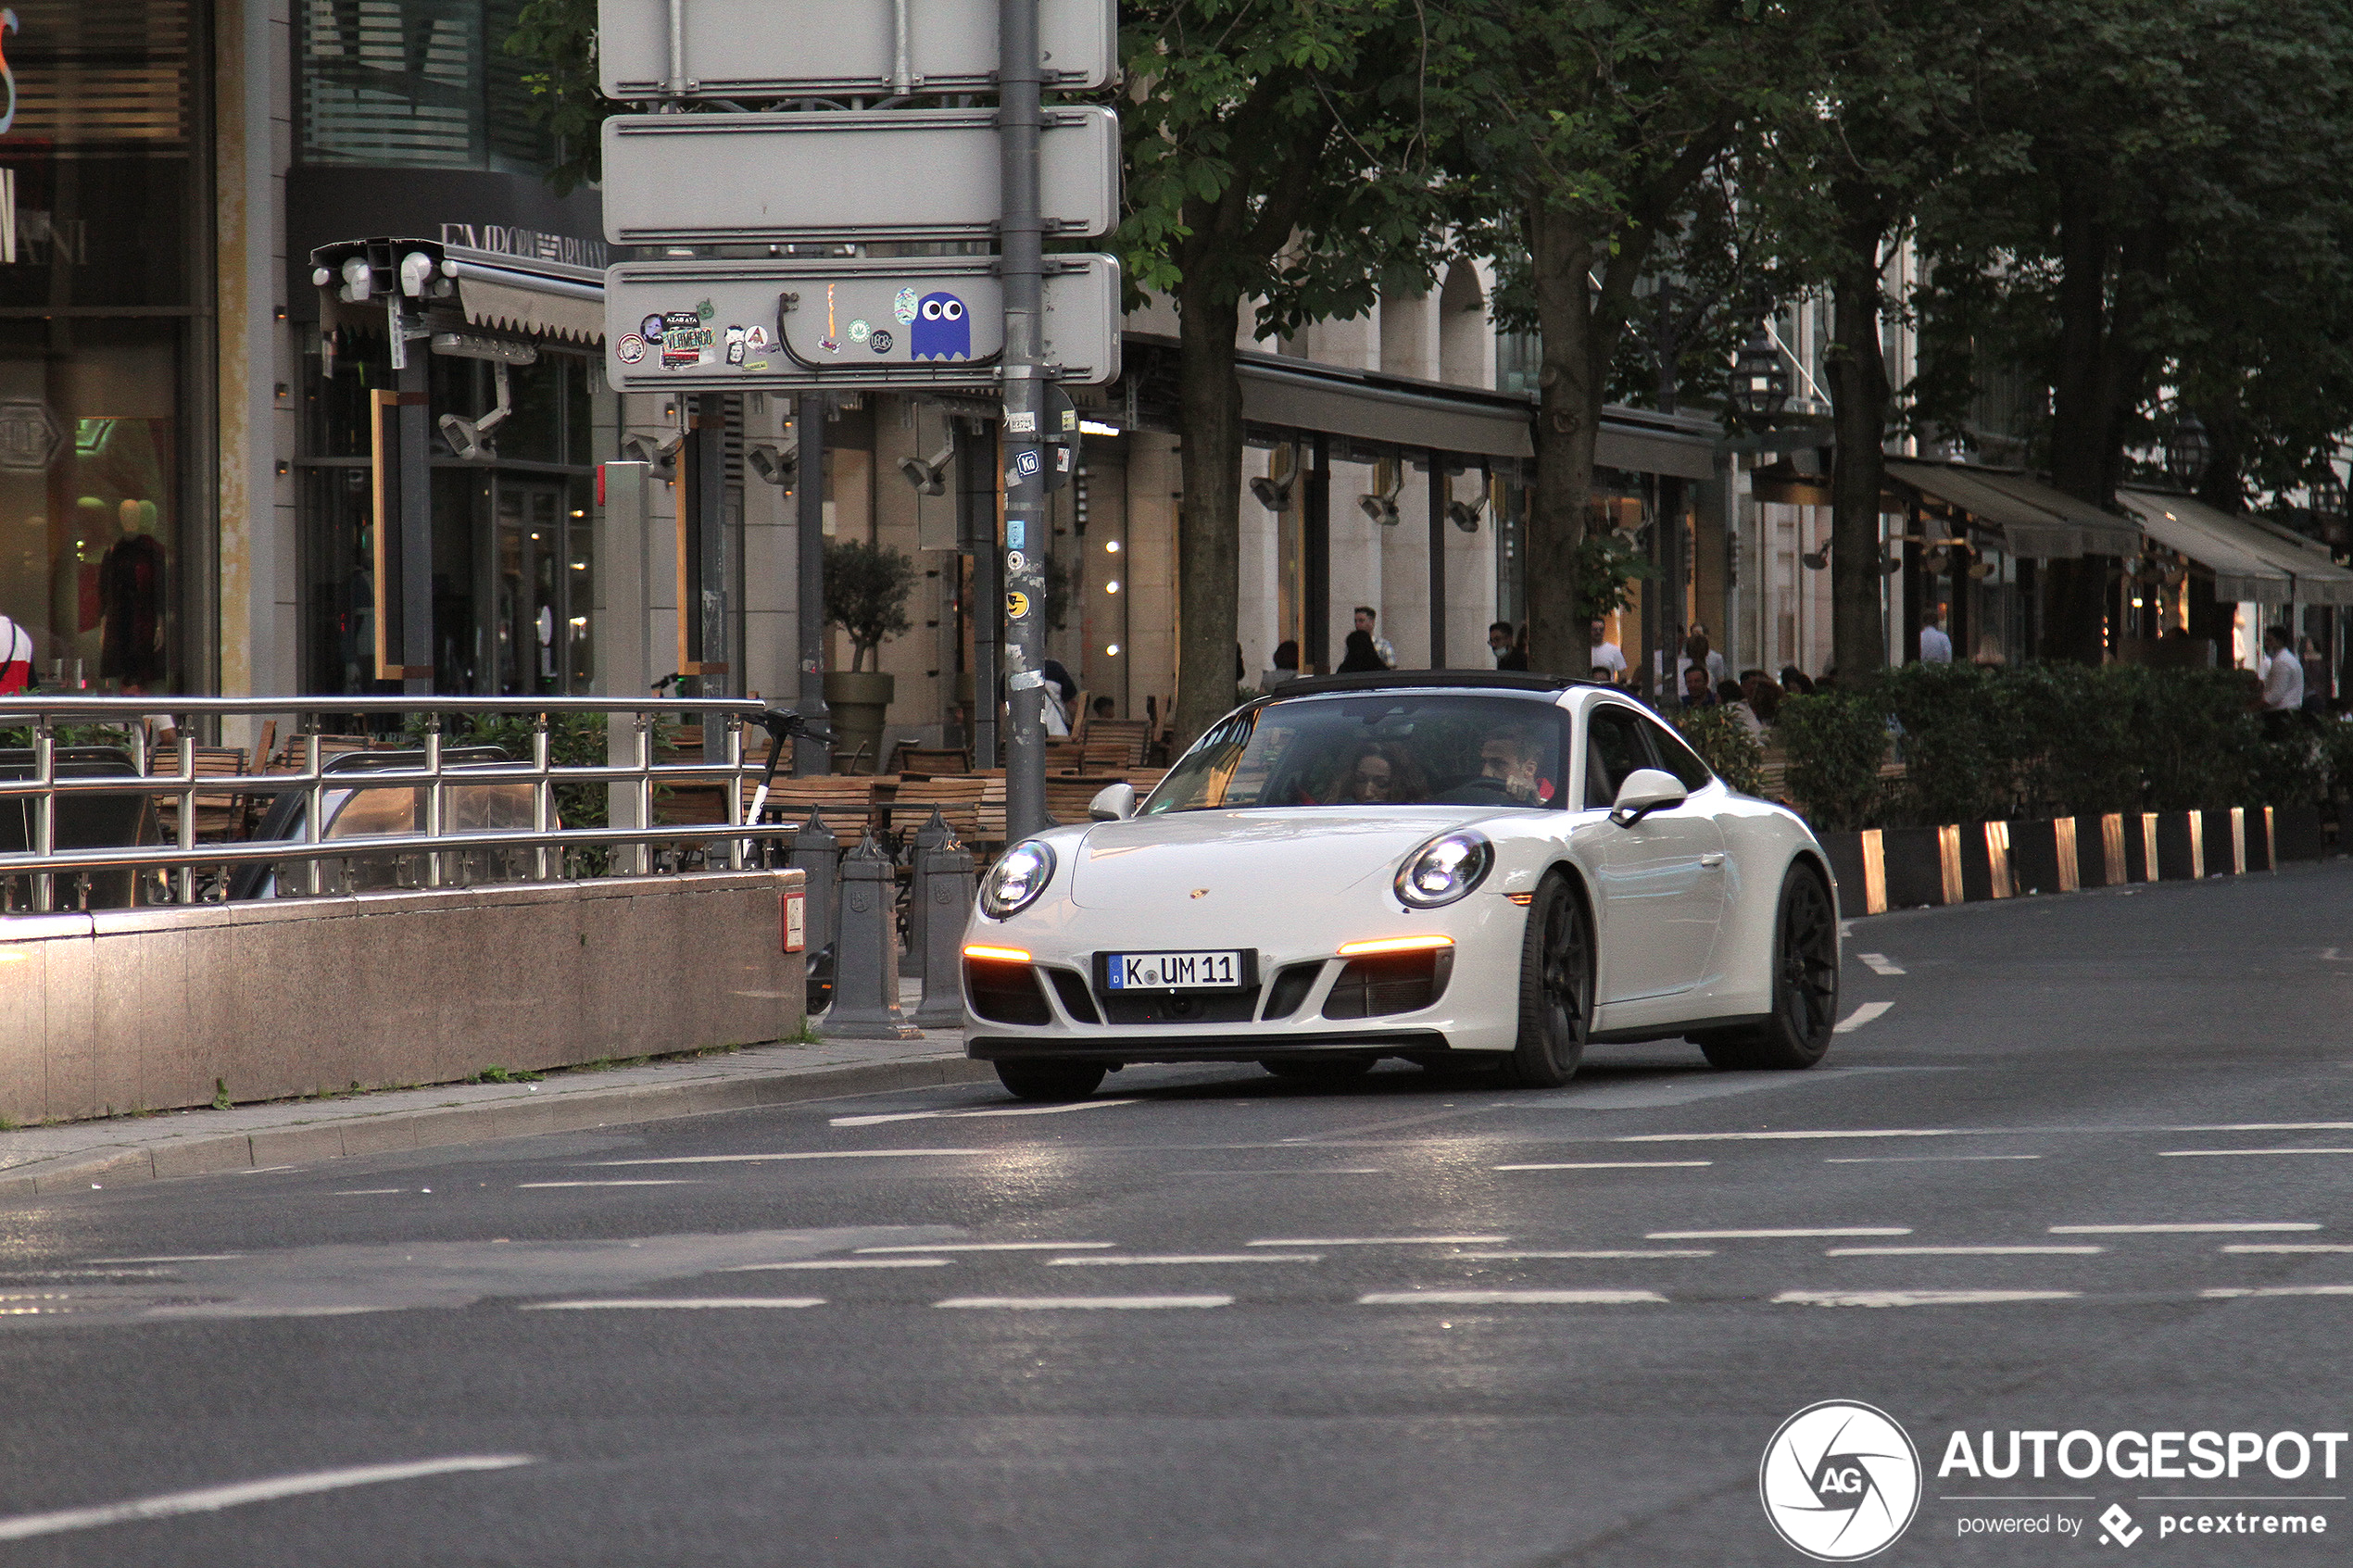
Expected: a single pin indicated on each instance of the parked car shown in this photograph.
(1450, 868)
(354, 810)
(106, 820)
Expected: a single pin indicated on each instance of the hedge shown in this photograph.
(2050, 740)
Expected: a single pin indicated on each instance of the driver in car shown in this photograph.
(1509, 757)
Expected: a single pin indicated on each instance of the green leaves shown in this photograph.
(866, 591)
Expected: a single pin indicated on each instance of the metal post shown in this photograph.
(436, 799)
(1022, 266)
(186, 770)
(44, 812)
(988, 607)
(865, 970)
(934, 834)
(945, 886)
(1440, 484)
(416, 531)
(735, 787)
(817, 854)
(811, 755)
(713, 570)
(542, 796)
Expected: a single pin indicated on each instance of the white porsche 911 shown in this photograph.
(1455, 869)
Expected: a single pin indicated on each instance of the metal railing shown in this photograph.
(45, 863)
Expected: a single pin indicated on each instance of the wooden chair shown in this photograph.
(957, 797)
(1068, 797)
(1079, 715)
(218, 814)
(289, 758)
(1064, 756)
(845, 803)
(925, 762)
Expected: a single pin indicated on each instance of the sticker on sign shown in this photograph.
(1197, 971)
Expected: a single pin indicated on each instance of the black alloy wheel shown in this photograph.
(1798, 1032)
(1555, 988)
(1050, 1080)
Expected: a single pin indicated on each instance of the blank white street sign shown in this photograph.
(894, 174)
(804, 322)
(773, 48)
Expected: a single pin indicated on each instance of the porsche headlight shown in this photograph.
(1014, 882)
(1444, 870)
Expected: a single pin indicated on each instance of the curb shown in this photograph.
(393, 1131)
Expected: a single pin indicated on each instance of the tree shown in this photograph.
(1579, 130)
(1275, 155)
(559, 39)
(866, 590)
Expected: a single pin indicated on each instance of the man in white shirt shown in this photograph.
(2282, 673)
(1935, 647)
(1609, 663)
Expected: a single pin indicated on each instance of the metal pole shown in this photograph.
(416, 531)
(1022, 266)
(987, 605)
(811, 755)
(715, 570)
(1440, 484)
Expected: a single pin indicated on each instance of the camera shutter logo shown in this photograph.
(1840, 1481)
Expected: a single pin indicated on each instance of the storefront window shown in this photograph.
(414, 83)
(100, 268)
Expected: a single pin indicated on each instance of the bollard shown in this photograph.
(865, 958)
(817, 852)
(933, 834)
(944, 886)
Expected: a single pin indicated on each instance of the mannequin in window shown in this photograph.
(131, 587)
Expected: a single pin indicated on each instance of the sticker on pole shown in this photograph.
(1016, 606)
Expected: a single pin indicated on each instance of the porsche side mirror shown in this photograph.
(1113, 803)
(1644, 791)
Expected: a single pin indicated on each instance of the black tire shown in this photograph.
(1804, 984)
(1555, 988)
(1330, 1069)
(1050, 1080)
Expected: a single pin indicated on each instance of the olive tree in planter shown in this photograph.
(866, 591)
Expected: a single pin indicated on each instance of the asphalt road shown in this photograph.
(2087, 1170)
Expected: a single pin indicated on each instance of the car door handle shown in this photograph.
(1712, 861)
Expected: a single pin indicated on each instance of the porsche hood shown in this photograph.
(1244, 856)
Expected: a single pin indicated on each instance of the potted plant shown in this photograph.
(866, 592)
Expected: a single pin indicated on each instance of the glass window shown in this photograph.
(1676, 757)
(414, 83)
(1390, 748)
(1613, 750)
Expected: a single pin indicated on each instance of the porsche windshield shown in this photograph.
(1385, 748)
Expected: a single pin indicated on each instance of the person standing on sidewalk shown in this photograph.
(1935, 647)
(2282, 680)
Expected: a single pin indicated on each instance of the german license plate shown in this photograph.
(1193, 970)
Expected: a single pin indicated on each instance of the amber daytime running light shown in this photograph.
(999, 955)
(1386, 944)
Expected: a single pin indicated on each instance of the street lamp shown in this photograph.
(2329, 502)
(2187, 448)
(1760, 379)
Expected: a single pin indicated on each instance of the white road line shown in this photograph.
(1609, 1165)
(1318, 1171)
(1812, 1132)
(2286, 1247)
(211, 1500)
(2191, 1228)
(1776, 1235)
(672, 1303)
(1387, 1241)
(2223, 1293)
(2210, 1153)
(654, 1182)
(846, 1263)
(1508, 1297)
(996, 1246)
(1916, 1297)
(1188, 1258)
(822, 1154)
(265, 1170)
(1623, 1253)
(2264, 1127)
(366, 1192)
(177, 1257)
(1880, 963)
(1014, 1110)
(1110, 1303)
(1957, 1251)
(1860, 1016)
(1915, 1159)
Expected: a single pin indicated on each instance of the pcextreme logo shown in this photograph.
(8, 76)
(1840, 1481)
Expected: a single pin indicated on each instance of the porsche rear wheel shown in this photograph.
(1798, 1032)
(1049, 1080)
(1555, 988)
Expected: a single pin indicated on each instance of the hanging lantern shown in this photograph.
(2187, 450)
(2329, 504)
(1760, 379)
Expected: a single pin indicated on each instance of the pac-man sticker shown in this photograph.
(630, 349)
(859, 331)
(1016, 606)
(905, 307)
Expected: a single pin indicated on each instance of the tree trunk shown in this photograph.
(1859, 395)
(1568, 411)
(1209, 421)
(2083, 424)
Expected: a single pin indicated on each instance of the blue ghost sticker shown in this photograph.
(941, 329)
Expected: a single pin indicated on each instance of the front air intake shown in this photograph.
(1387, 983)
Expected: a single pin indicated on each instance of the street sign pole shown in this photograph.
(810, 755)
(1026, 540)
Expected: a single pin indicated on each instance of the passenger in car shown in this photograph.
(1379, 775)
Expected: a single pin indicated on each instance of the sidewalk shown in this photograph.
(136, 1148)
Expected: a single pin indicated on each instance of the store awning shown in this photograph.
(2034, 519)
(1299, 396)
(542, 298)
(2248, 560)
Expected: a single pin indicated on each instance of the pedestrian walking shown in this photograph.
(1935, 647)
(1609, 660)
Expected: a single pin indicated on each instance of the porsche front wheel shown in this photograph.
(1049, 1080)
(1797, 1032)
(1555, 987)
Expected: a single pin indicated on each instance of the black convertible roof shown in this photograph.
(1428, 679)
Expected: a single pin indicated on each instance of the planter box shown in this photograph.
(2042, 856)
(2297, 833)
(1915, 866)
